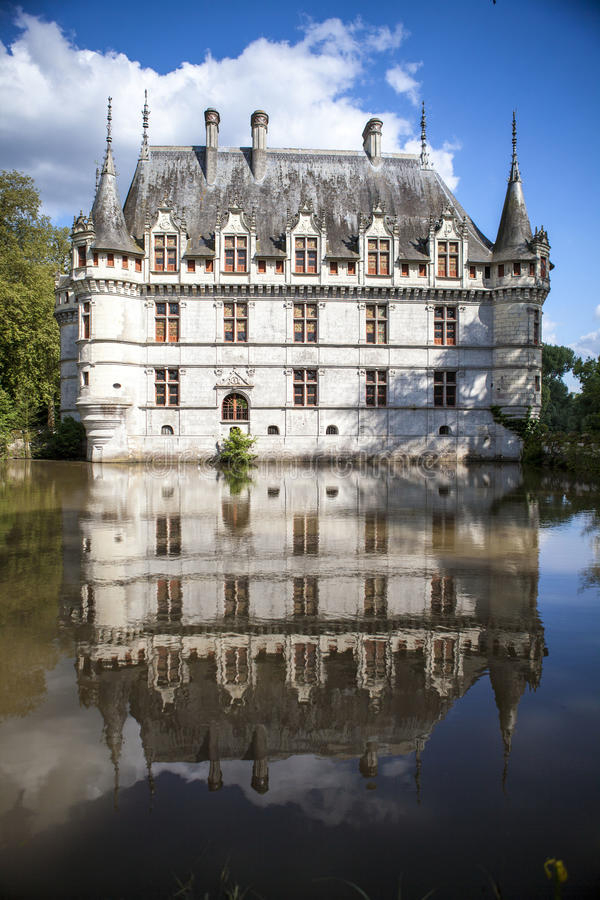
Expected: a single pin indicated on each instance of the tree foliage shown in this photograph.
(32, 249)
(558, 405)
(587, 402)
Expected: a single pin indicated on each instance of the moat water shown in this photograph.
(315, 681)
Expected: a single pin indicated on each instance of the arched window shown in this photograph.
(331, 429)
(235, 408)
(272, 429)
(444, 429)
(166, 429)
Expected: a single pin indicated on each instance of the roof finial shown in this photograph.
(424, 153)
(109, 122)
(145, 114)
(515, 175)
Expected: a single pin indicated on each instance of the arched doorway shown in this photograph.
(234, 408)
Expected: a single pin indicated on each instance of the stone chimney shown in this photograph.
(259, 121)
(372, 140)
(211, 119)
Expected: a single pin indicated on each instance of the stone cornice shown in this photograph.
(309, 292)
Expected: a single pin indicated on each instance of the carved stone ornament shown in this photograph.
(234, 379)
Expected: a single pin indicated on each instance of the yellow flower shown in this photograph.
(556, 868)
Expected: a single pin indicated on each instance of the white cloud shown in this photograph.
(549, 331)
(402, 81)
(597, 313)
(53, 121)
(441, 158)
(587, 344)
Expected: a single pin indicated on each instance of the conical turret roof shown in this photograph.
(514, 231)
(107, 212)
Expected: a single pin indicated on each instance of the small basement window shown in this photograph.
(445, 429)
(331, 429)
(166, 429)
(272, 429)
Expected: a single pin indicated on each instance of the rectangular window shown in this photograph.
(305, 323)
(209, 266)
(448, 259)
(191, 265)
(444, 326)
(516, 268)
(168, 535)
(536, 326)
(86, 320)
(236, 253)
(235, 323)
(376, 323)
(124, 262)
(543, 266)
(404, 270)
(262, 266)
(532, 268)
(237, 592)
(81, 256)
(422, 270)
(351, 268)
(487, 272)
(472, 271)
(333, 268)
(306, 255)
(138, 265)
(165, 252)
(378, 256)
(376, 595)
(305, 538)
(166, 322)
(538, 383)
(279, 267)
(376, 533)
(501, 270)
(95, 259)
(306, 595)
(443, 595)
(166, 383)
(376, 387)
(110, 259)
(168, 599)
(85, 379)
(305, 387)
(444, 388)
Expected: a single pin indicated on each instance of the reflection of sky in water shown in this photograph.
(438, 821)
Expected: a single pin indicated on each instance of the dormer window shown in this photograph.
(378, 256)
(81, 256)
(165, 252)
(447, 259)
(306, 255)
(236, 253)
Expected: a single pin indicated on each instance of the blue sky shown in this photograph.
(321, 70)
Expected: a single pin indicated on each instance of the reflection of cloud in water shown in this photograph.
(326, 790)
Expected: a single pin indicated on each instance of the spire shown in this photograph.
(508, 678)
(145, 114)
(424, 153)
(107, 213)
(514, 231)
(515, 175)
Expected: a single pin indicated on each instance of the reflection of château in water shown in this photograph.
(313, 612)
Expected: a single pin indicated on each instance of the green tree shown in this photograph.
(31, 251)
(587, 402)
(558, 403)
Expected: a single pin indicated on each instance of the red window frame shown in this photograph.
(110, 260)
(536, 326)
(305, 323)
(166, 387)
(124, 262)
(517, 268)
(472, 272)
(543, 266)
(305, 387)
(305, 255)
(86, 320)
(501, 270)
(376, 387)
(209, 266)
(138, 264)
(333, 267)
(352, 268)
(448, 259)
(404, 270)
(444, 388)
(235, 253)
(191, 265)
(376, 323)
(81, 254)
(444, 326)
(261, 266)
(235, 322)
(532, 268)
(166, 323)
(165, 252)
(279, 267)
(234, 408)
(378, 256)
(95, 259)
(422, 270)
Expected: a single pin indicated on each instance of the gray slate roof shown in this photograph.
(514, 231)
(341, 185)
(107, 214)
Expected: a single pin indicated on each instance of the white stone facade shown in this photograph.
(392, 354)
